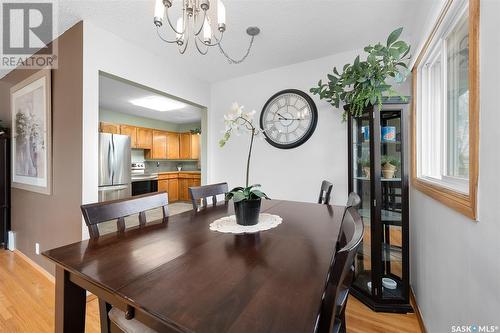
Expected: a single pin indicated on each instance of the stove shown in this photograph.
(143, 182)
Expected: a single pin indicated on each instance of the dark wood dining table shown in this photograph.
(180, 276)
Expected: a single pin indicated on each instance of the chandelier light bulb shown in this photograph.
(159, 13)
(207, 31)
(221, 12)
(180, 26)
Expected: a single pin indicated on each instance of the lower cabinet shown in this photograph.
(177, 185)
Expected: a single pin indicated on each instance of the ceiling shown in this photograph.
(291, 30)
(115, 95)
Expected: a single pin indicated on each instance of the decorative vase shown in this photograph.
(247, 211)
(366, 171)
(388, 170)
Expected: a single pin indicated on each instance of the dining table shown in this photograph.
(180, 276)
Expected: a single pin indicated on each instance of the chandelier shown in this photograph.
(195, 23)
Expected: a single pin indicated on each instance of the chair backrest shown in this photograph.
(119, 209)
(353, 200)
(206, 191)
(325, 192)
(339, 277)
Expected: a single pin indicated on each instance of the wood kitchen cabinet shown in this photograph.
(173, 190)
(131, 131)
(185, 146)
(183, 189)
(195, 146)
(109, 128)
(173, 146)
(159, 149)
(163, 185)
(144, 138)
(177, 184)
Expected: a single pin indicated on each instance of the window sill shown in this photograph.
(463, 203)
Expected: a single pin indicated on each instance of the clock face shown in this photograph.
(289, 119)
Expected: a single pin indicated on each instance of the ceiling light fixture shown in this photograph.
(196, 22)
(158, 103)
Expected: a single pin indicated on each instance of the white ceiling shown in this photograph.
(292, 30)
(115, 95)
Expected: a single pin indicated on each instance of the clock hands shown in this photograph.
(281, 117)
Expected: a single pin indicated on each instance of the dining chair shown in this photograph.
(325, 192)
(206, 191)
(113, 319)
(331, 317)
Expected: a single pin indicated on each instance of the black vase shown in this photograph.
(247, 211)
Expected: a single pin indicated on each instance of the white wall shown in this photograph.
(455, 262)
(104, 51)
(294, 174)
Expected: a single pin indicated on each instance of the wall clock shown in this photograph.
(289, 118)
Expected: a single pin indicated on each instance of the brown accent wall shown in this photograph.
(54, 220)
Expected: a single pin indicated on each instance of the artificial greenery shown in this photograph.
(196, 131)
(364, 162)
(364, 82)
(246, 193)
(389, 159)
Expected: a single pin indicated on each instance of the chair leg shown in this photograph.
(103, 314)
(343, 327)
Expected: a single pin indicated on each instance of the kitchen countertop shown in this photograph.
(174, 172)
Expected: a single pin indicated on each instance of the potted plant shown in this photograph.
(363, 82)
(389, 166)
(246, 199)
(365, 165)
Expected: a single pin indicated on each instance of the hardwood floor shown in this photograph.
(27, 305)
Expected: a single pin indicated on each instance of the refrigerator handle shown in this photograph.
(110, 168)
(113, 160)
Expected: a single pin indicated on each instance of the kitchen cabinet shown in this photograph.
(173, 190)
(185, 146)
(159, 149)
(173, 146)
(195, 146)
(131, 131)
(183, 189)
(163, 185)
(144, 138)
(109, 128)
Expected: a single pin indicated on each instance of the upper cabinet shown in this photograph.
(159, 145)
(109, 128)
(131, 131)
(144, 138)
(185, 146)
(195, 146)
(172, 146)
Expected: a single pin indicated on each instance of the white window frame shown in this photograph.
(431, 125)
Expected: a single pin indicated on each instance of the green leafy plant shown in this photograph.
(389, 159)
(246, 193)
(364, 82)
(237, 121)
(364, 162)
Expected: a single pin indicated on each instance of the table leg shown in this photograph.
(70, 304)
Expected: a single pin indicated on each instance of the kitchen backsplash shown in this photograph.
(162, 166)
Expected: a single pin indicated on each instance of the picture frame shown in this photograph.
(31, 114)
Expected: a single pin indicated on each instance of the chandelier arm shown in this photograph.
(202, 24)
(164, 39)
(198, 47)
(186, 43)
(183, 23)
(236, 61)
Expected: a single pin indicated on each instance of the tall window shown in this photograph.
(445, 153)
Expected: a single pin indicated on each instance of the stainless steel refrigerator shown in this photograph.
(114, 166)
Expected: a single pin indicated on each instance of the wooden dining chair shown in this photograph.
(201, 193)
(331, 317)
(113, 319)
(325, 192)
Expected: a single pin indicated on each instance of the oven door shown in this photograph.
(144, 186)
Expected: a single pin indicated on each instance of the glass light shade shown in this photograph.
(180, 26)
(159, 9)
(221, 12)
(207, 30)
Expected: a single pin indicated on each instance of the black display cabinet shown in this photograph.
(381, 278)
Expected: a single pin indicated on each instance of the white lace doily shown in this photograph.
(228, 224)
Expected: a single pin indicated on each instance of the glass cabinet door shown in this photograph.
(361, 175)
(390, 229)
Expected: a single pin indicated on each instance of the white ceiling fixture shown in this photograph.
(158, 103)
(195, 23)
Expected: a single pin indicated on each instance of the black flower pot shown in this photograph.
(247, 211)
